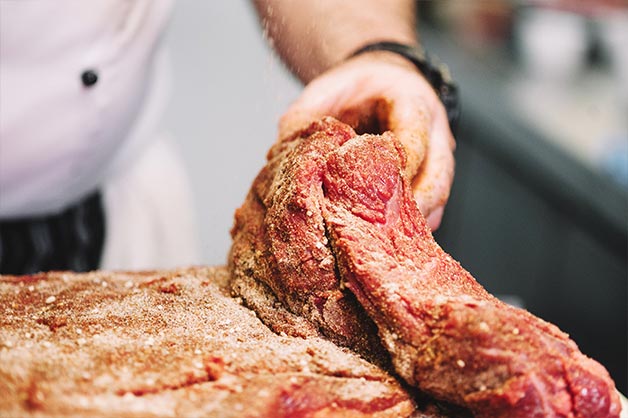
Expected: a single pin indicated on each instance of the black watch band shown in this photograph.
(436, 74)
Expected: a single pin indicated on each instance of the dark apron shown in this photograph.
(71, 240)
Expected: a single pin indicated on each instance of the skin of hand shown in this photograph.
(379, 91)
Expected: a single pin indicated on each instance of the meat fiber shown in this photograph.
(332, 211)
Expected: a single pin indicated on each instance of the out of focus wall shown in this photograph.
(228, 93)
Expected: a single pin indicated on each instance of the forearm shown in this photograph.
(314, 35)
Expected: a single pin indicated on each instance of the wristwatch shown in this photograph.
(437, 74)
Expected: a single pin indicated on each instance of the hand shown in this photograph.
(380, 91)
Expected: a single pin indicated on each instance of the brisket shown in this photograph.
(330, 231)
(171, 343)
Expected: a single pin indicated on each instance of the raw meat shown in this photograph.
(332, 211)
(172, 343)
(283, 266)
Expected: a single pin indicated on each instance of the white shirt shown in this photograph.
(60, 139)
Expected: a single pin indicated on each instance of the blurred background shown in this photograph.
(539, 208)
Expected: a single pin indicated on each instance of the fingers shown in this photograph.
(409, 120)
(432, 184)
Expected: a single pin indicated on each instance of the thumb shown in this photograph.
(433, 181)
(296, 118)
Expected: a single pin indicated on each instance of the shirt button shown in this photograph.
(89, 78)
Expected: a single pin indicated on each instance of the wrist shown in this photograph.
(379, 57)
(328, 57)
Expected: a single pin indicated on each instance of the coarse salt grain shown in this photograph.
(309, 213)
(484, 326)
(128, 284)
(31, 288)
(460, 363)
(515, 331)
(326, 262)
(51, 299)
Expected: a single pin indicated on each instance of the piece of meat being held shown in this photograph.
(330, 242)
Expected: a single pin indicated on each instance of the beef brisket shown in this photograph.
(282, 262)
(171, 343)
(332, 212)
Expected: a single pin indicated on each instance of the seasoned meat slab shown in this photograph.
(164, 344)
(331, 220)
(283, 265)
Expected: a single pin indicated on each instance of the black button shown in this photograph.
(89, 78)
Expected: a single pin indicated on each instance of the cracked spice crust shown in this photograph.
(445, 333)
(169, 343)
(282, 265)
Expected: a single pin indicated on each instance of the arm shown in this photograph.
(340, 27)
(373, 92)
